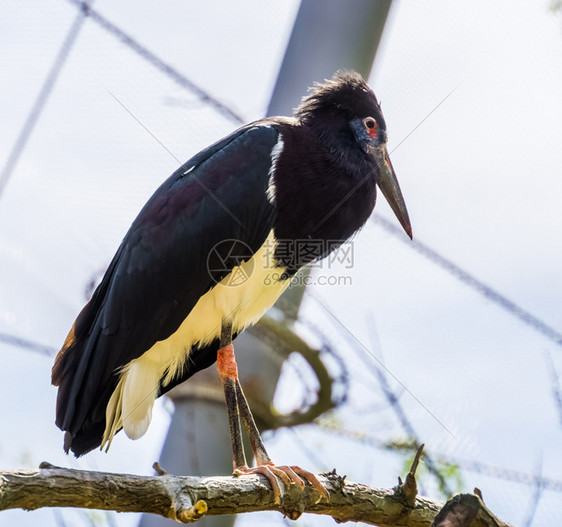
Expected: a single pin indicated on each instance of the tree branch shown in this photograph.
(187, 499)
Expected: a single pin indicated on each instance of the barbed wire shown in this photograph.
(556, 388)
(30, 345)
(471, 281)
(515, 476)
(42, 97)
(161, 65)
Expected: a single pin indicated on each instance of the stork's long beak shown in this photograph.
(390, 188)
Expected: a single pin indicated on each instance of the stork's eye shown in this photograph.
(371, 126)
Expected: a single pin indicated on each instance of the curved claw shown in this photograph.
(289, 475)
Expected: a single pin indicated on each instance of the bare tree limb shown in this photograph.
(187, 499)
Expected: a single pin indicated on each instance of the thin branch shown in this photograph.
(409, 488)
(187, 499)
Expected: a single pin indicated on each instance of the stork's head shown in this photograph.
(346, 115)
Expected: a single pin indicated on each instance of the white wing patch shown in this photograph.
(275, 153)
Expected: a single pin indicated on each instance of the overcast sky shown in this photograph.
(481, 177)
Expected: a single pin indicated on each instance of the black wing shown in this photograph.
(160, 271)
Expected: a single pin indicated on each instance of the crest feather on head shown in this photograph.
(345, 93)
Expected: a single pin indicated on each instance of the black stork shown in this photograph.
(274, 195)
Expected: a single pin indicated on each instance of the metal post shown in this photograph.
(328, 35)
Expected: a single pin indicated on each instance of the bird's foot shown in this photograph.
(289, 475)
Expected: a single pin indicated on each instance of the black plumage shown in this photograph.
(306, 179)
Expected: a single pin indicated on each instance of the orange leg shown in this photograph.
(230, 396)
(237, 406)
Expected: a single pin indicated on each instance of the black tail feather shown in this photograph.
(89, 434)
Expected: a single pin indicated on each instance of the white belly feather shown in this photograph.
(241, 301)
